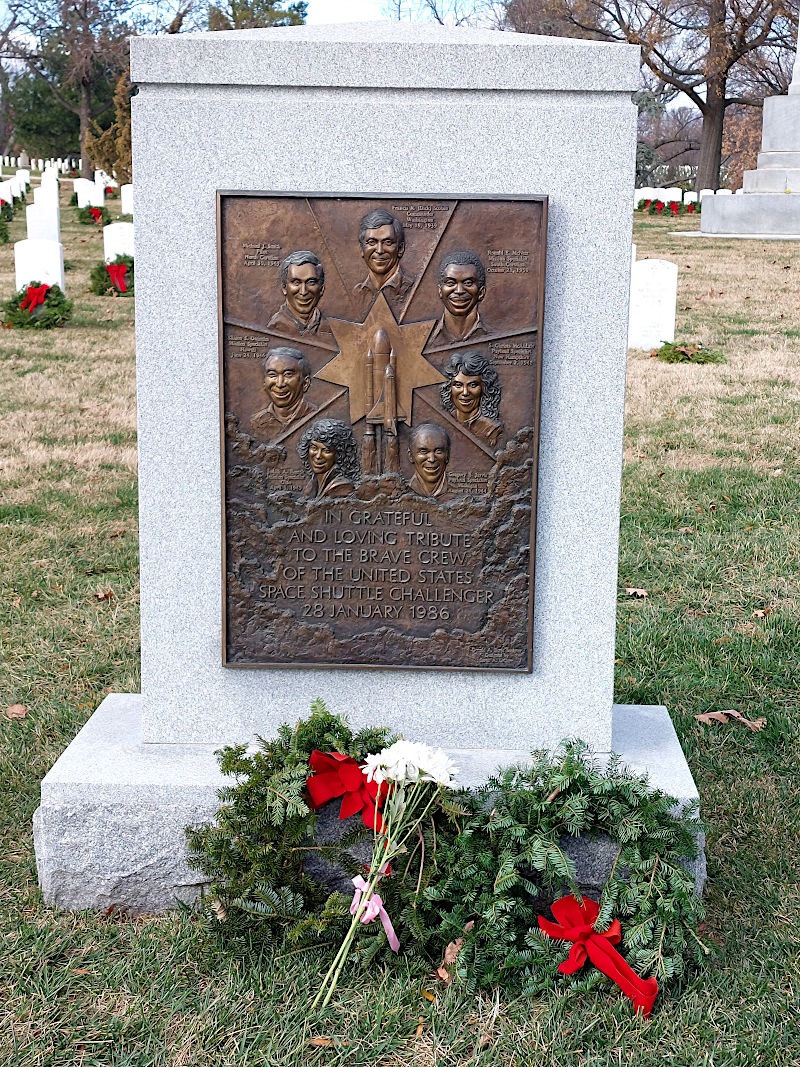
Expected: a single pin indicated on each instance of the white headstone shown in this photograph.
(13, 162)
(706, 192)
(126, 198)
(117, 240)
(47, 196)
(25, 175)
(674, 193)
(724, 192)
(690, 198)
(39, 261)
(660, 194)
(42, 222)
(738, 191)
(654, 296)
(89, 194)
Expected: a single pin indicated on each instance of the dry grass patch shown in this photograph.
(743, 298)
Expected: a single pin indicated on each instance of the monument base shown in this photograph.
(110, 827)
(753, 213)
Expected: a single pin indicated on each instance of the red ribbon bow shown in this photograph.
(576, 923)
(96, 214)
(117, 274)
(34, 297)
(338, 775)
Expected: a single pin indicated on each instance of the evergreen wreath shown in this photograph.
(486, 864)
(85, 216)
(100, 280)
(55, 311)
(4, 237)
(6, 210)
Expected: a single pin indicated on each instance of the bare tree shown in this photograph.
(719, 53)
(9, 24)
(80, 44)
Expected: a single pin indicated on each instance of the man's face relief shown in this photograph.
(460, 291)
(381, 252)
(429, 455)
(321, 457)
(284, 381)
(303, 289)
(466, 391)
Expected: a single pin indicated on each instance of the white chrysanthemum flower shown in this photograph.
(410, 761)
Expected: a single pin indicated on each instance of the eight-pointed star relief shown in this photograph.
(354, 339)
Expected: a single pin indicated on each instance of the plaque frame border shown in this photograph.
(301, 194)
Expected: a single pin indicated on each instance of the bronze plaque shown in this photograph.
(380, 380)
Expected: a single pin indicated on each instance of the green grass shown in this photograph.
(707, 529)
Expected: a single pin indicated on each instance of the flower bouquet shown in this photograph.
(399, 786)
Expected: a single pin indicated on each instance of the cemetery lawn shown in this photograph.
(710, 530)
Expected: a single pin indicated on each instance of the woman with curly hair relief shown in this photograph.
(472, 393)
(329, 456)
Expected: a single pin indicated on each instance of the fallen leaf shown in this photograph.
(774, 474)
(731, 713)
(755, 724)
(721, 640)
(641, 593)
(712, 716)
(712, 507)
(219, 910)
(327, 1042)
(427, 994)
(469, 926)
(420, 1026)
(727, 498)
(685, 529)
(484, 1039)
(81, 970)
(761, 613)
(117, 533)
(443, 974)
(452, 951)
(16, 711)
(108, 595)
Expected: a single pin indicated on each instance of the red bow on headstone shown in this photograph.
(117, 273)
(96, 214)
(34, 297)
(338, 775)
(576, 923)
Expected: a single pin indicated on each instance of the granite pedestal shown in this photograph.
(378, 108)
(110, 828)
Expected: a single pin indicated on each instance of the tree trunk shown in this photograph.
(86, 166)
(711, 143)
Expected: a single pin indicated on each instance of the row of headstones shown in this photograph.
(41, 257)
(668, 196)
(93, 194)
(63, 166)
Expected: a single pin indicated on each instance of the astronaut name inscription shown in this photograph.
(380, 397)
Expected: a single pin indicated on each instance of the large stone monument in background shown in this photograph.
(770, 204)
(368, 305)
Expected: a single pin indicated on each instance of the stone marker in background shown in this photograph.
(89, 194)
(690, 198)
(42, 223)
(126, 199)
(117, 240)
(110, 828)
(654, 295)
(38, 261)
(674, 193)
(771, 200)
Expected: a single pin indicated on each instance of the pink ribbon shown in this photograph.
(374, 910)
